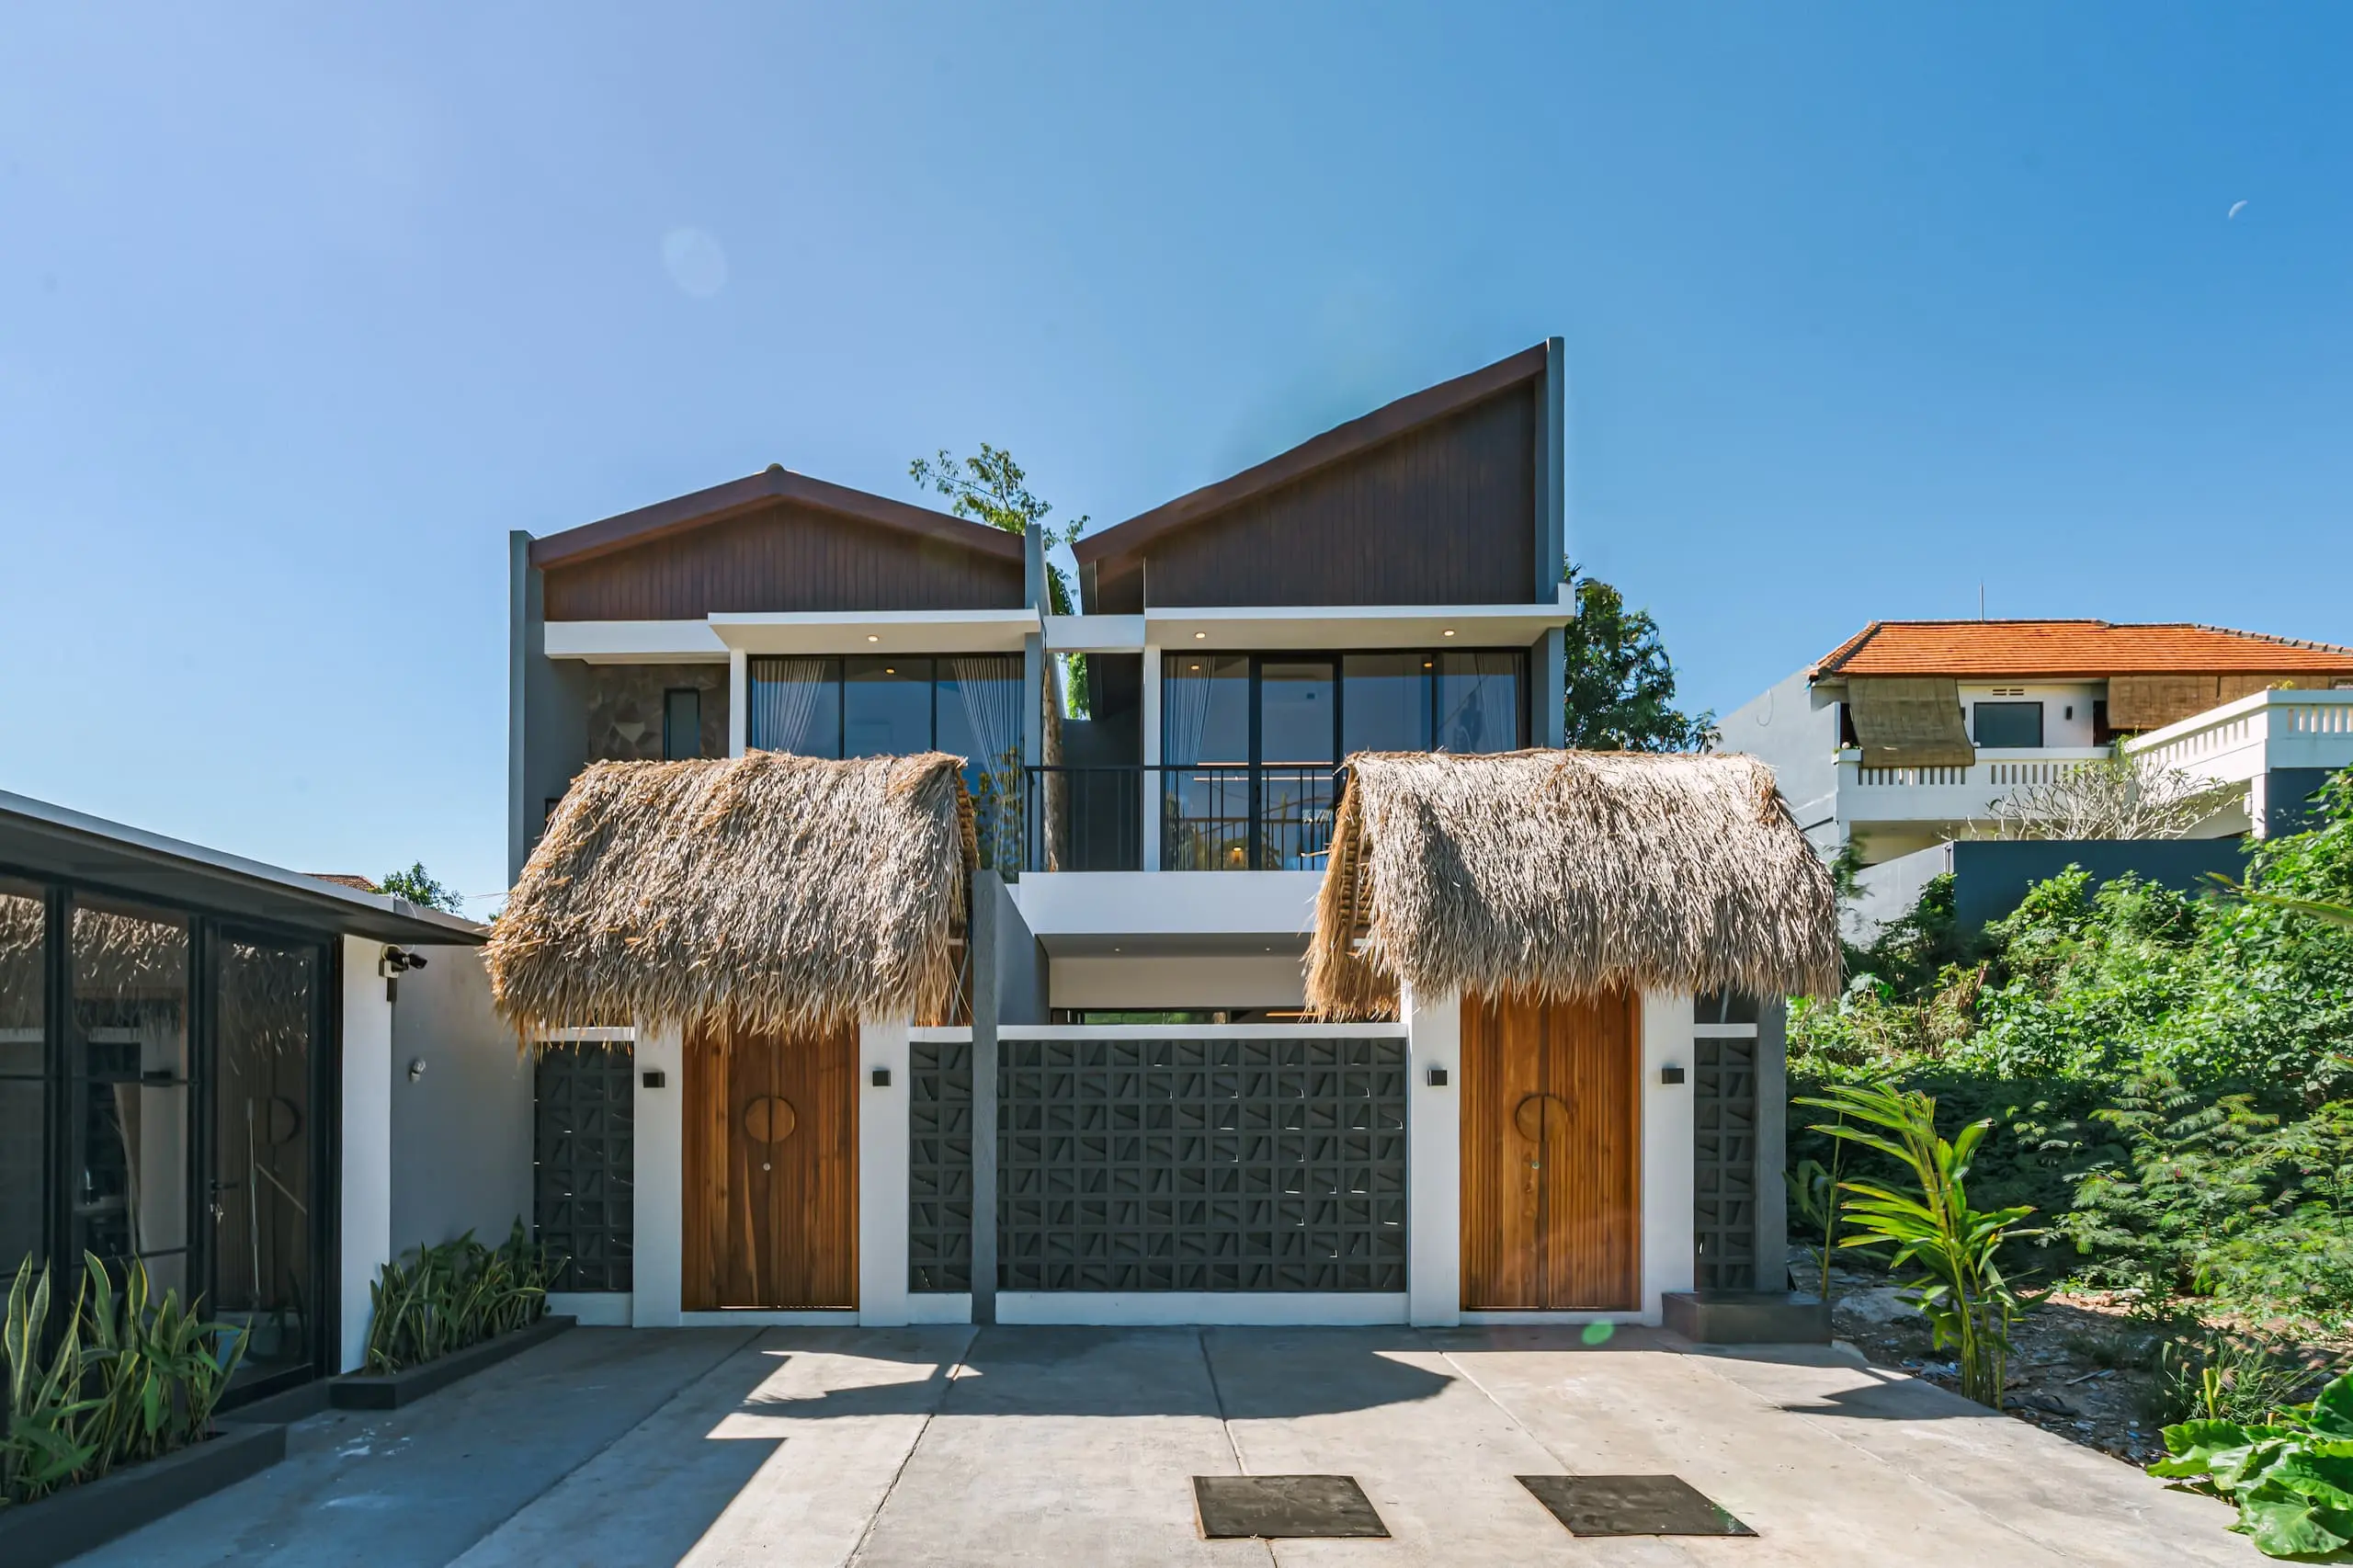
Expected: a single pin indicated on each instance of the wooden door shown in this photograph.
(1551, 1148)
(771, 1178)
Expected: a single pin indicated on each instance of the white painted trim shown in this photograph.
(621, 1032)
(1201, 1031)
(659, 1207)
(876, 631)
(756, 1317)
(1723, 1031)
(739, 702)
(1094, 633)
(939, 1306)
(1172, 1308)
(594, 1309)
(634, 642)
(365, 1177)
(941, 1034)
(1227, 627)
(1471, 1318)
(1669, 1131)
(882, 1154)
(1433, 1157)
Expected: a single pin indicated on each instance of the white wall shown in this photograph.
(1224, 904)
(659, 1215)
(462, 1128)
(1782, 726)
(2066, 706)
(1257, 980)
(1433, 1158)
(883, 1173)
(1669, 1259)
(366, 1178)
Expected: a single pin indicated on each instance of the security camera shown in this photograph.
(397, 961)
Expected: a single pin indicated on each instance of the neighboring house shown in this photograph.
(203, 1065)
(1906, 735)
(1119, 1111)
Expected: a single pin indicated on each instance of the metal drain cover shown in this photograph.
(1630, 1505)
(1284, 1507)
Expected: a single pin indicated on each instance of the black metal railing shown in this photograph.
(1213, 816)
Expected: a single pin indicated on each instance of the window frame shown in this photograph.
(2009, 705)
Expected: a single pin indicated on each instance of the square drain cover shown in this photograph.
(1274, 1506)
(1630, 1505)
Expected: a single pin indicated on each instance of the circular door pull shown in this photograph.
(1528, 1115)
(769, 1119)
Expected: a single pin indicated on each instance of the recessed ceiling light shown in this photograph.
(872, 637)
(889, 670)
(1192, 667)
(1201, 636)
(1447, 632)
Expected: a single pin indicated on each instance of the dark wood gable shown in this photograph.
(751, 550)
(1434, 500)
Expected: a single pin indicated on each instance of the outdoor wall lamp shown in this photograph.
(653, 1078)
(1437, 1077)
(881, 1077)
(1670, 1074)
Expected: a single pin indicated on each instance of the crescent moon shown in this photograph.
(2234, 210)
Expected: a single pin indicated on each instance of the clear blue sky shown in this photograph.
(1864, 304)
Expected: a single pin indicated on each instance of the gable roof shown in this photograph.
(2070, 649)
(739, 496)
(1337, 445)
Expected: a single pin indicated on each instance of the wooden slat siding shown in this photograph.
(1441, 514)
(786, 556)
(1562, 1234)
(785, 1237)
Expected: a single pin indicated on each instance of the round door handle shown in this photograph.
(769, 1119)
(1531, 1126)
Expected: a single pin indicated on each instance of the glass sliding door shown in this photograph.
(25, 1189)
(266, 1151)
(1205, 721)
(1480, 701)
(795, 705)
(128, 1091)
(1298, 728)
(978, 717)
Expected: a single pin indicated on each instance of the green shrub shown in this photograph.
(440, 1298)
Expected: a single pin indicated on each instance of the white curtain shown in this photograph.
(785, 696)
(1185, 707)
(989, 687)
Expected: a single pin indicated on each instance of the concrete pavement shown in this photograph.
(817, 1447)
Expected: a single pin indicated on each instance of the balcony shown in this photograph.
(2254, 736)
(1206, 817)
(1933, 800)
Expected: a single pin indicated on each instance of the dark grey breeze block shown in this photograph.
(1284, 1507)
(1630, 1505)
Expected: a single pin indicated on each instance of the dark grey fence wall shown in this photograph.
(939, 1166)
(1724, 1155)
(1202, 1164)
(584, 1163)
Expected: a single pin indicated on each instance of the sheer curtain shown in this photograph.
(989, 688)
(785, 694)
(1185, 709)
(1478, 702)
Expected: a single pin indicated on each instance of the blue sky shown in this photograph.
(298, 315)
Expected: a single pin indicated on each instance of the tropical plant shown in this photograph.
(420, 887)
(994, 489)
(436, 1300)
(1621, 691)
(2290, 1473)
(2117, 797)
(126, 1377)
(1952, 1249)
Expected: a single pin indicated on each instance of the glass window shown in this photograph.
(886, 706)
(1295, 713)
(1387, 705)
(796, 705)
(978, 719)
(2008, 724)
(130, 1057)
(1205, 709)
(264, 1139)
(24, 1066)
(681, 723)
(1479, 701)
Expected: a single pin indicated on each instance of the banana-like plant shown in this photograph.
(439, 1299)
(1951, 1248)
(2334, 913)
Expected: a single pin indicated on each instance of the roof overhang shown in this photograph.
(1352, 626)
(50, 841)
(873, 631)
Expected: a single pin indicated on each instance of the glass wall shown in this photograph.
(267, 1004)
(127, 1089)
(24, 1074)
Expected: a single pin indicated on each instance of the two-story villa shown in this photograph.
(1074, 1076)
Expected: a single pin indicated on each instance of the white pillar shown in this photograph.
(1433, 1158)
(883, 1173)
(366, 1175)
(1151, 790)
(659, 1177)
(1669, 1131)
(739, 702)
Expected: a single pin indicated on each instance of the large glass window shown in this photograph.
(24, 1076)
(1479, 704)
(2008, 724)
(886, 706)
(266, 999)
(1389, 702)
(1206, 820)
(129, 1052)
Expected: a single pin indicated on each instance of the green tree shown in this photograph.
(418, 886)
(992, 488)
(1621, 684)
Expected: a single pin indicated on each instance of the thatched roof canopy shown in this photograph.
(777, 892)
(1564, 874)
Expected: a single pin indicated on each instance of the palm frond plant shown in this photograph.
(435, 1300)
(1950, 1249)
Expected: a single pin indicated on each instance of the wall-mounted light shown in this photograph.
(1670, 1074)
(881, 1077)
(653, 1078)
(1437, 1077)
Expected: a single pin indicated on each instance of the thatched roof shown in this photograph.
(1566, 873)
(777, 892)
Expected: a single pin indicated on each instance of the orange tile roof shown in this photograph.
(2060, 649)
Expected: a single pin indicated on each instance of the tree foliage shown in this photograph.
(2116, 797)
(1620, 692)
(993, 488)
(420, 887)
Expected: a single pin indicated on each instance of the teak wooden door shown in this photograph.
(1552, 1150)
(771, 1178)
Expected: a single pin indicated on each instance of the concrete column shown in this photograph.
(1772, 1144)
(1551, 709)
(991, 908)
(1669, 1259)
(1150, 787)
(883, 1173)
(659, 1215)
(739, 702)
(365, 1174)
(1433, 1159)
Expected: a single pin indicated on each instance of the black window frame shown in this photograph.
(2009, 706)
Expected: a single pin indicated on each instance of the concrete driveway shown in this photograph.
(802, 1448)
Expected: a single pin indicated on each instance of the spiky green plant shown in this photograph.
(435, 1300)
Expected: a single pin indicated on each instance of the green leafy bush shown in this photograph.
(126, 1377)
(2291, 1474)
(440, 1298)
